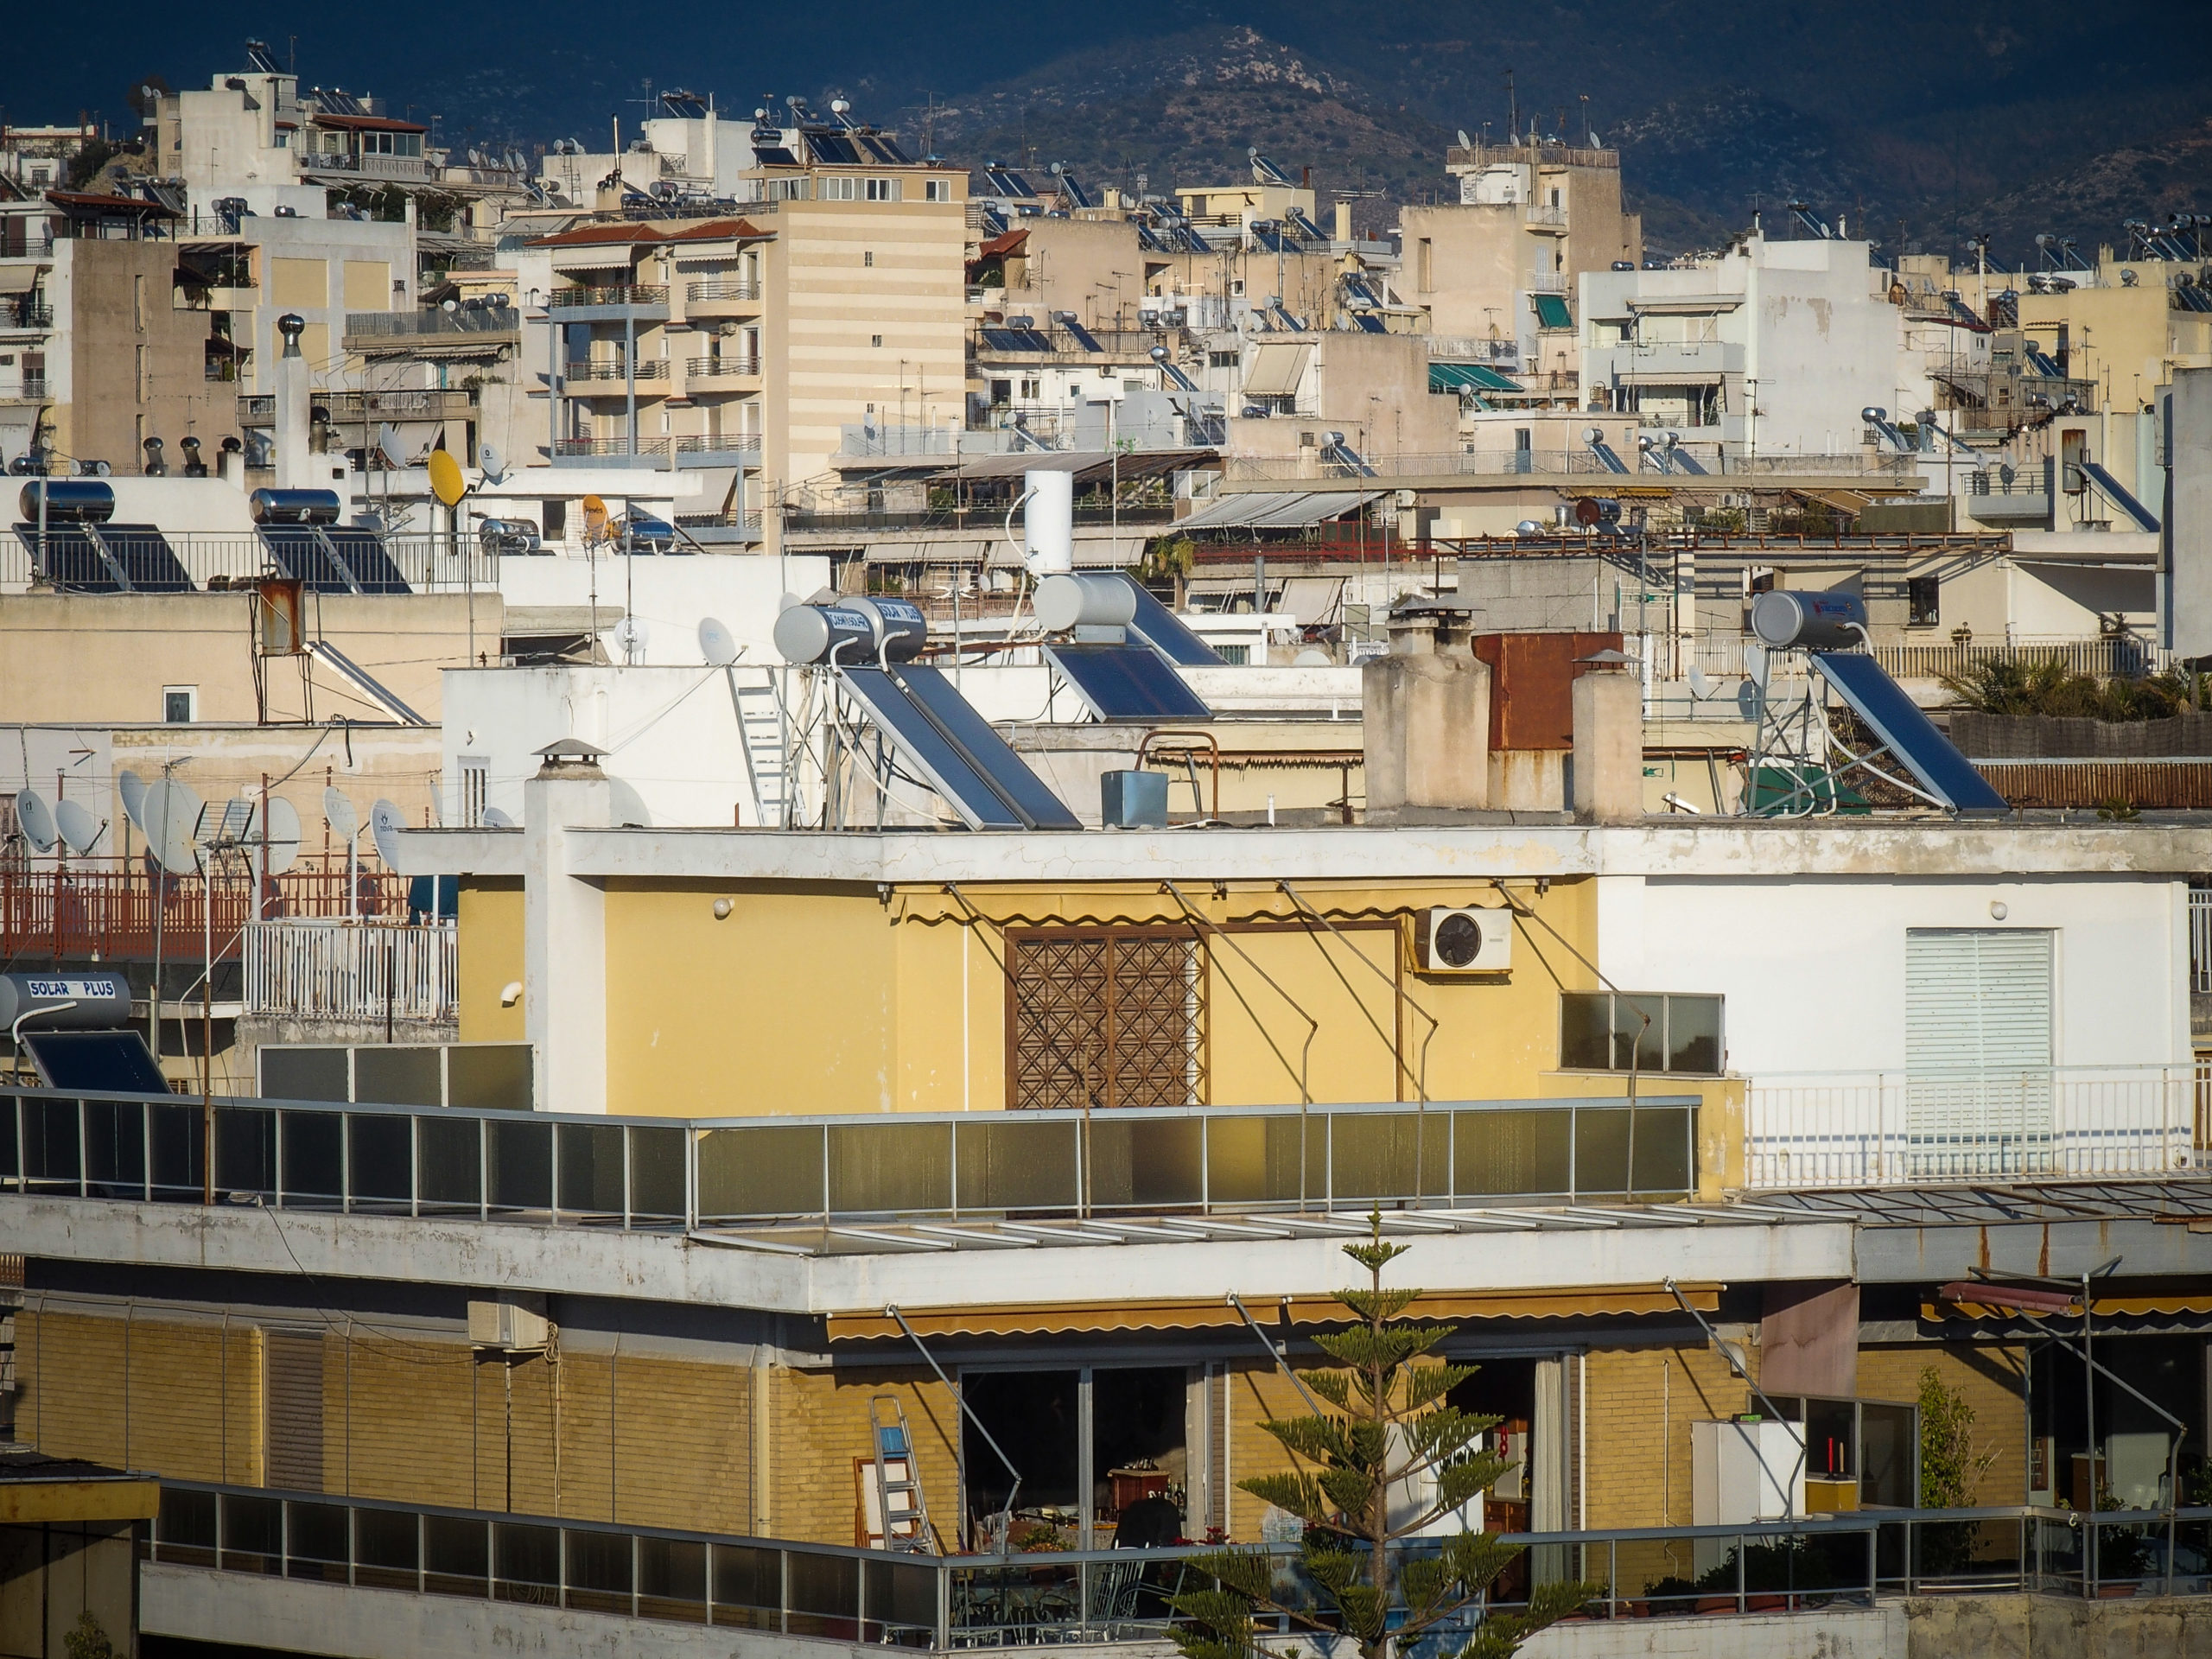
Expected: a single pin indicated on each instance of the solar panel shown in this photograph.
(362, 551)
(1081, 336)
(1127, 683)
(2120, 496)
(1686, 462)
(1357, 288)
(299, 554)
(69, 561)
(1907, 734)
(1175, 376)
(2044, 365)
(929, 752)
(1162, 630)
(884, 148)
(114, 1061)
(1306, 227)
(1368, 322)
(149, 563)
(834, 149)
(956, 718)
(1077, 195)
(1015, 340)
(1004, 181)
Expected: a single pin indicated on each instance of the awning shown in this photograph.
(19, 279)
(1088, 465)
(2104, 1307)
(1552, 312)
(1277, 367)
(1468, 377)
(1691, 305)
(1076, 1319)
(1276, 510)
(1669, 378)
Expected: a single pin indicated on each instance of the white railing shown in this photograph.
(1874, 1128)
(351, 971)
(2200, 940)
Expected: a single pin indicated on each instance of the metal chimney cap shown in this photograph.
(570, 754)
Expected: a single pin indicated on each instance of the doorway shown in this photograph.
(1096, 1450)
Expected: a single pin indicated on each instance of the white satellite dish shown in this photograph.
(132, 788)
(282, 821)
(718, 647)
(172, 814)
(1701, 684)
(1754, 659)
(338, 812)
(35, 819)
(489, 459)
(496, 819)
(384, 824)
(630, 636)
(78, 829)
(388, 441)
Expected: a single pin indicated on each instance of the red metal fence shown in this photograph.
(101, 908)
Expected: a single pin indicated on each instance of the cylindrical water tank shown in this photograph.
(1070, 602)
(40, 1001)
(1828, 621)
(822, 633)
(294, 507)
(68, 500)
(898, 630)
(1048, 521)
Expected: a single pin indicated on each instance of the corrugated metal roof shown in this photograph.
(1276, 510)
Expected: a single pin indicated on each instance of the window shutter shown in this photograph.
(1978, 1049)
(292, 1391)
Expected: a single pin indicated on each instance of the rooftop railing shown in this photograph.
(1570, 463)
(568, 299)
(98, 910)
(215, 560)
(948, 1602)
(677, 1173)
(332, 968)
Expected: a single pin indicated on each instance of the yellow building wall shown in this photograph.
(1256, 1393)
(820, 1425)
(1990, 1376)
(180, 1399)
(489, 935)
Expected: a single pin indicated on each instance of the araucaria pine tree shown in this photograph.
(1390, 1458)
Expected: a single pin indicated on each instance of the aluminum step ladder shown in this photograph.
(901, 1510)
(761, 736)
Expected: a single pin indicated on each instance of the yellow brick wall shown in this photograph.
(1638, 1408)
(1989, 1375)
(820, 1424)
(1258, 1392)
(684, 1435)
(406, 1435)
(188, 1404)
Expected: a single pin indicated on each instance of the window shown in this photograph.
(937, 190)
(1866, 1444)
(1923, 599)
(875, 340)
(475, 781)
(867, 258)
(556, 521)
(138, 303)
(1601, 1031)
(1033, 389)
(1002, 393)
(829, 190)
(786, 189)
(179, 705)
(1221, 359)
(1104, 1017)
(1978, 1049)
(1239, 655)
(886, 189)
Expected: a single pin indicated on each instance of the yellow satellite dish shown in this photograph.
(595, 517)
(446, 481)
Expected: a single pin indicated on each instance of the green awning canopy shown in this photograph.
(1552, 312)
(1467, 377)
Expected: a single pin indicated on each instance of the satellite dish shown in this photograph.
(385, 825)
(172, 813)
(338, 812)
(395, 453)
(718, 647)
(490, 460)
(78, 829)
(594, 518)
(1465, 142)
(446, 481)
(35, 819)
(283, 819)
(132, 788)
(1701, 684)
(630, 635)
(495, 819)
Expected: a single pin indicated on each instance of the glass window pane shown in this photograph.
(760, 1172)
(1017, 1165)
(1585, 1021)
(657, 1175)
(8, 1170)
(184, 1528)
(179, 1154)
(1146, 1163)
(522, 1165)
(450, 1162)
(316, 1540)
(456, 1555)
(1664, 1163)
(1693, 1033)
(1633, 1036)
(289, 1073)
(672, 1579)
(313, 1161)
(387, 1540)
(382, 1169)
(50, 1148)
(115, 1148)
(591, 1168)
(1600, 1150)
(253, 1533)
(598, 1571)
(825, 1592)
(1507, 1154)
(1887, 1437)
(1255, 1160)
(396, 1075)
(749, 1586)
(902, 1597)
(245, 1150)
(1829, 1439)
(890, 1167)
(489, 1077)
(1388, 1154)
(527, 1562)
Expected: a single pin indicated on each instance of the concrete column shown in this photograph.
(564, 938)
(1426, 732)
(295, 403)
(1608, 748)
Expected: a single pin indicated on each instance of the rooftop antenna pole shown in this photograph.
(1512, 110)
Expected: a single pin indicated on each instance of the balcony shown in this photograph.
(350, 409)
(719, 446)
(652, 450)
(720, 368)
(1545, 221)
(714, 299)
(408, 168)
(31, 390)
(652, 368)
(644, 302)
(436, 331)
(337, 969)
(25, 317)
(97, 909)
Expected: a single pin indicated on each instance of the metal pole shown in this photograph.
(207, 1031)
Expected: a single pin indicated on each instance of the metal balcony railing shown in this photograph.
(565, 299)
(721, 443)
(680, 1174)
(707, 293)
(1906, 1128)
(31, 390)
(215, 561)
(98, 909)
(716, 367)
(26, 314)
(586, 447)
(949, 1602)
(334, 969)
(652, 368)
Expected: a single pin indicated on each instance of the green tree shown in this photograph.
(1950, 1471)
(87, 1640)
(1391, 1425)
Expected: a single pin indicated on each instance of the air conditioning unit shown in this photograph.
(1467, 941)
(509, 1327)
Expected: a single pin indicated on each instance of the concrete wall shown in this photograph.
(2188, 622)
(1814, 968)
(135, 361)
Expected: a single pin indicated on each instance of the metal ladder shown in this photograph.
(900, 1507)
(761, 729)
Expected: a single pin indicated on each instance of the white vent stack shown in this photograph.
(1048, 521)
(294, 402)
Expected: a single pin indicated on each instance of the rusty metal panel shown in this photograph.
(1531, 686)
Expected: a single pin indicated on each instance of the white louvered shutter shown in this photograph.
(1978, 1049)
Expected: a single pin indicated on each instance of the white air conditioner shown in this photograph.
(1467, 941)
(506, 1326)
